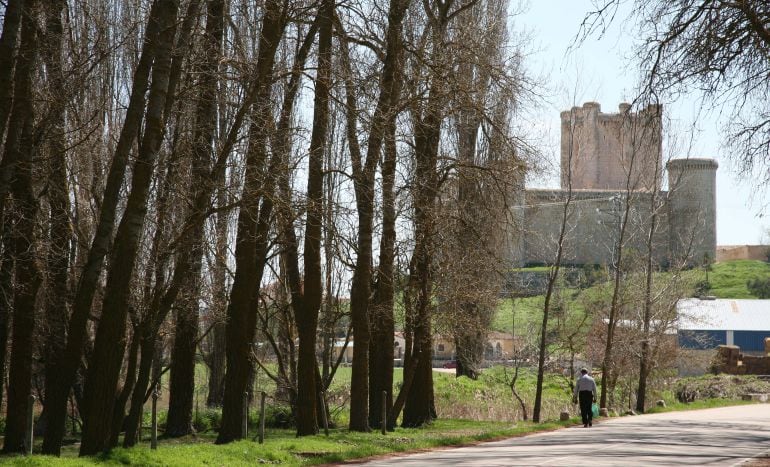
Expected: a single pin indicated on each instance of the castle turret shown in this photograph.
(610, 151)
(692, 210)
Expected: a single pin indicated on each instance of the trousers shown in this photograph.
(586, 398)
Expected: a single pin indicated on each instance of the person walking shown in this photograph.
(585, 392)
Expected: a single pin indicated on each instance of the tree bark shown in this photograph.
(6, 292)
(119, 412)
(109, 344)
(19, 146)
(182, 378)
(134, 418)
(363, 182)
(182, 374)
(60, 231)
(8, 41)
(218, 337)
(419, 406)
(307, 312)
(381, 354)
(76, 336)
(241, 311)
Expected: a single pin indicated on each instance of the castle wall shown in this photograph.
(600, 150)
(734, 252)
(692, 209)
(592, 226)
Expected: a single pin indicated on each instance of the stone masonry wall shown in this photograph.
(602, 149)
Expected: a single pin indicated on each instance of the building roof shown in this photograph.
(724, 314)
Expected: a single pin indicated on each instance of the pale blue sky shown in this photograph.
(603, 70)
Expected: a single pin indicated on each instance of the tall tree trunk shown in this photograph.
(109, 344)
(182, 377)
(218, 336)
(60, 233)
(419, 405)
(553, 275)
(76, 331)
(134, 418)
(363, 181)
(6, 292)
(19, 146)
(8, 41)
(307, 312)
(382, 321)
(645, 360)
(241, 311)
(612, 320)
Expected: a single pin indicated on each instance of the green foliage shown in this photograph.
(282, 447)
(759, 287)
(702, 287)
(729, 279)
(728, 387)
(207, 420)
(276, 416)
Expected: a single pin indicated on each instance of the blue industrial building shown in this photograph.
(706, 323)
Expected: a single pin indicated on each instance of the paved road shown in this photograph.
(726, 436)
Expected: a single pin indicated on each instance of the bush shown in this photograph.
(718, 387)
(702, 287)
(207, 420)
(276, 416)
(759, 287)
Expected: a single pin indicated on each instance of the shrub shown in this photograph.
(702, 287)
(759, 287)
(207, 420)
(276, 416)
(718, 387)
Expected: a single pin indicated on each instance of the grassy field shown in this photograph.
(728, 279)
(468, 410)
(488, 400)
(282, 447)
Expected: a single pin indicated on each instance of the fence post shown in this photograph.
(245, 415)
(384, 419)
(154, 428)
(30, 438)
(262, 417)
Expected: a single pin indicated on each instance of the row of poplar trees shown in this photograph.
(212, 177)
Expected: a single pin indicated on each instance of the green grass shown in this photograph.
(728, 279)
(283, 448)
(697, 405)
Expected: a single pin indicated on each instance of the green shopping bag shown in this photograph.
(595, 409)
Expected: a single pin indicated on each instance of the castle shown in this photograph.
(610, 161)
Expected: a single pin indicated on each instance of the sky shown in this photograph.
(602, 69)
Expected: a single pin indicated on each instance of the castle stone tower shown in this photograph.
(692, 209)
(603, 151)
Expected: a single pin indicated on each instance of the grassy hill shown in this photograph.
(727, 279)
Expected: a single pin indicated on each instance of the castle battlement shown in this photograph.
(601, 152)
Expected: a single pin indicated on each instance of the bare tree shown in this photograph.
(715, 47)
(182, 377)
(19, 147)
(101, 243)
(553, 275)
(364, 184)
(251, 238)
